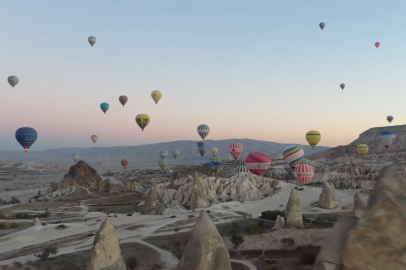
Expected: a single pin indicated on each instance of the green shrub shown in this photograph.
(308, 256)
(3, 226)
(254, 229)
(272, 215)
(47, 214)
(14, 225)
(18, 264)
(22, 216)
(236, 239)
(235, 225)
(232, 232)
(288, 242)
(261, 223)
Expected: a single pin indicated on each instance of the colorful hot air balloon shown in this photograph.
(342, 86)
(313, 137)
(156, 95)
(216, 162)
(163, 154)
(377, 44)
(322, 25)
(75, 157)
(387, 137)
(163, 163)
(94, 138)
(92, 40)
(304, 173)
(124, 163)
(389, 118)
(200, 144)
(241, 169)
(175, 153)
(142, 120)
(214, 151)
(104, 107)
(123, 100)
(293, 155)
(209, 165)
(26, 136)
(258, 163)
(362, 149)
(202, 151)
(13, 80)
(236, 150)
(203, 130)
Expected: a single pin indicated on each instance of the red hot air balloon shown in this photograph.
(124, 162)
(235, 150)
(123, 100)
(304, 173)
(258, 163)
(377, 44)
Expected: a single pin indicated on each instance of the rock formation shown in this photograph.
(106, 253)
(153, 196)
(37, 222)
(378, 240)
(279, 223)
(52, 187)
(198, 198)
(294, 219)
(205, 249)
(81, 174)
(359, 206)
(328, 199)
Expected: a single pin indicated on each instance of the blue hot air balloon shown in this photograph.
(387, 137)
(216, 162)
(210, 165)
(200, 144)
(104, 107)
(26, 136)
(202, 151)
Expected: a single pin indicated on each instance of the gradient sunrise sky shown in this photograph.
(249, 69)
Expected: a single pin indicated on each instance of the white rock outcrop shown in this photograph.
(294, 219)
(328, 198)
(37, 222)
(279, 223)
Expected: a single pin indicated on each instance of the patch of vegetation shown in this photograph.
(18, 264)
(236, 239)
(272, 214)
(176, 230)
(48, 251)
(13, 200)
(132, 262)
(308, 256)
(288, 242)
(14, 225)
(61, 227)
(254, 229)
(235, 225)
(261, 223)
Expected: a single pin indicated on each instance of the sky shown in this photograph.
(262, 70)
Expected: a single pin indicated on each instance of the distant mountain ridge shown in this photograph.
(147, 155)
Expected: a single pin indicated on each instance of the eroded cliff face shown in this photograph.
(81, 174)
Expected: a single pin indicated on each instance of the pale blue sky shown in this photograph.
(248, 69)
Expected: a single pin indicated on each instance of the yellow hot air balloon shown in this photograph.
(214, 151)
(142, 120)
(362, 149)
(156, 95)
(313, 137)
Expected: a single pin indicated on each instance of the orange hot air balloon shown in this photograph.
(124, 163)
(377, 44)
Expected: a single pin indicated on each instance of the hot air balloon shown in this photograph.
(75, 157)
(26, 136)
(203, 130)
(236, 150)
(214, 151)
(216, 162)
(293, 155)
(389, 118)
(94, 138)
(258, 163)
(123, 100)
(202, 151)
(387, 137)
(313, 137)
(241, 169)
(156, 95)
(163, 154)
(362, 149)
(92, 40)
(377, 44)
(124, 163)
(13, 80)
(163, 163)
(342, 86)
(322, 25)
(104, 107)
(209, 165)
(175, 153)
(200, 144)
(304, 173)
(142, 120)
(288, 169)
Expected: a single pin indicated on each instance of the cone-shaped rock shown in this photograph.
(328, 199)
(279, 223)
(293, 215)
(359, 206)
(106, 253)
(153, 195)
(37, 222)
(379, 239)
(197, 200)
(205, 249)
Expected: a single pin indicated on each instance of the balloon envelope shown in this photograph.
(203, 130)
(175, 153)
(75, 157)
(288, 169)
(26, 136)
(377, 44)
(13, 80)
(293, 155)
(202, 151)
(124, 163)
(200, 144)
(322, 25)
(362, 149)
(163, 163)
(214, 151)
(389, 118)
(92, 40)
(342, 86)
(313, 137)
(142, 120)
(123, 100)
(156, 95)
(258, 163)
(216, 162)
(304, 173)
(236, 150)
(94, 138)
(163, 153)
(387, 137)
(241, 169)
(104, 107)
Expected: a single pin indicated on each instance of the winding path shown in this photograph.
(247, 263)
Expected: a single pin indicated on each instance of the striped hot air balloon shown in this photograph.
(202, 151)
(123, 100)
(304, 173)
(163, 154)
(216, 162)
(258, 163)
(293, 155)
(94, 138)
(241, 169)
(124, 163)
(387, 137)
(203, 130)
(362, 149)
(236, 150)
(313, 137)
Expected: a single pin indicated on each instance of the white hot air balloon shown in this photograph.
(163, 163)
(175, 153)
(92, 40)
(387, 137)
(163, 154)
(75, 157)
(203, 130)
